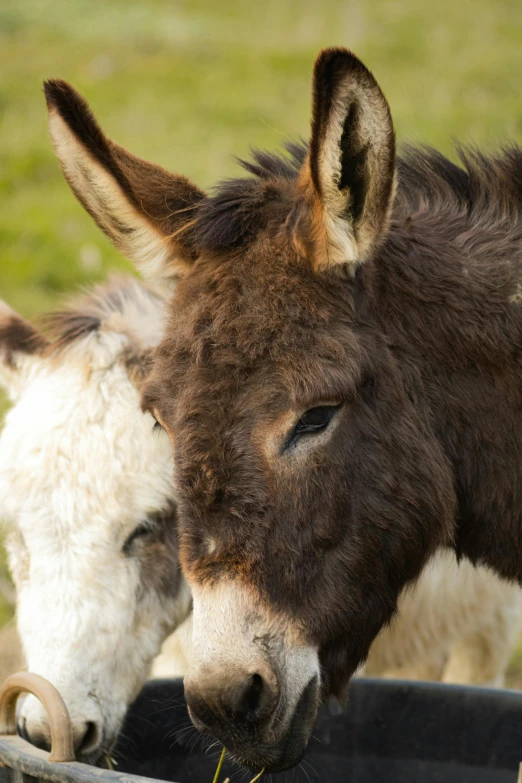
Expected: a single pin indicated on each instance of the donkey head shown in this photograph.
(310, 488)
(86, 491)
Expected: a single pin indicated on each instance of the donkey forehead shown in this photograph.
(256, 323)
(69, 396)
(77, 449)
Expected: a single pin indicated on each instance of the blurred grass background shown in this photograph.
(190, 84)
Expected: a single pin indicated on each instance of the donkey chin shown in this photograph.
(252, 682)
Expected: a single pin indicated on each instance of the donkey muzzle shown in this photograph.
(247, 698)
(246, 713)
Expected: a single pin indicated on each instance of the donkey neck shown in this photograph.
(444, 296)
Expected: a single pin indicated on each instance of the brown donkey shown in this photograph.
(341, 380)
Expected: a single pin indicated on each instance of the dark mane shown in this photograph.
(268, 164)
(481, 184)
(239, 208)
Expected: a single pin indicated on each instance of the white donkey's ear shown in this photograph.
(21, 345)
(147, 212)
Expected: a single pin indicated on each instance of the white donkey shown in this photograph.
(86, 488)
(458, 624)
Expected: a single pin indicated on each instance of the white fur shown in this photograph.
(80, 469)
(458, 624)
(173, 660)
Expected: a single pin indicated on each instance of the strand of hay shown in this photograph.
(109, 762)
(220, 764)
(227, 780)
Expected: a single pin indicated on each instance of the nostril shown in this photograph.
(251, 700)
(88, 740)
(253, 696)
(36, 736)
(87, 737)
(213, 699)
(22, 729)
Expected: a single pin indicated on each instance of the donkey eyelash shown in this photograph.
(312, 421)
(316, 418)
(156, 427)
(141, 531)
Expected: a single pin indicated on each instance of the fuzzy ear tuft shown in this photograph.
(20, 346)
(350, 170)
(146, 211)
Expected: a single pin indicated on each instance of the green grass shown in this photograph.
(6, 609)
(190, 84)
(514, 672)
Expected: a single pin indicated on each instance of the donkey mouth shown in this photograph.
(290, 749)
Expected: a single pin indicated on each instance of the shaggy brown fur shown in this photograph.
(165, 204)
(420, 344)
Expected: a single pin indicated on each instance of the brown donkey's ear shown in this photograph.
(20, 346)
(350, 170)
(146, 211)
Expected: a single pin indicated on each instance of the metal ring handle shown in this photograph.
(62, 748)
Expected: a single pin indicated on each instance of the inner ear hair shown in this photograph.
(349, 176)
(147, 212)
(21, 344)
(18, 337)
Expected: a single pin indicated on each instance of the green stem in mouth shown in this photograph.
(220, 764)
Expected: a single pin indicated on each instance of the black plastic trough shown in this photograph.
(392, 732)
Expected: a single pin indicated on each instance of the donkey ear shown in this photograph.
(350, 171)
(20, 346)
(146, 211)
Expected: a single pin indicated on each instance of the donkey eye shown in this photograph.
(157, 427)
(142, 531)
(314, 420)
